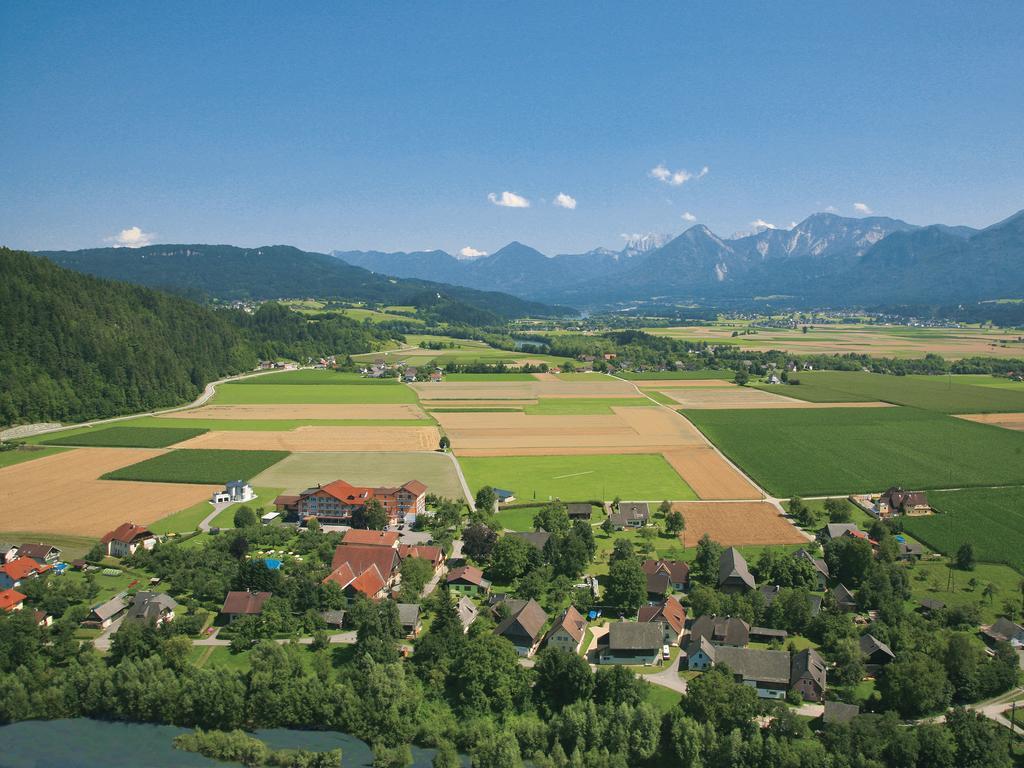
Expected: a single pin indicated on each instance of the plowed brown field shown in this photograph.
(737, 523)
(1004, 420)
(61, 493)
(281, 411)
(323, 439)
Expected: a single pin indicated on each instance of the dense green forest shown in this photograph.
(76, 347)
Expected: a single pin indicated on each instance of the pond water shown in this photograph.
(83, 743)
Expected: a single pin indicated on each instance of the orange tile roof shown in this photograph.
(22, 567)
(10, 598)
(369, 582)
(361, 556)
(127, 533)
(434, 555)
(374, 538)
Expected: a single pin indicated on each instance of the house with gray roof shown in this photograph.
(721, 630)
(808, 675)
(409, 618)
(467, 611)
(630, 514)
(875, 652)
(733, 573)
(1005, 631)
(630, 642)
(157, 607)
(105, 614)
(524, 627)
(536, 539)
(835, 530)
(844, 598)
(767, 672)
(579, 510)
(819, 565)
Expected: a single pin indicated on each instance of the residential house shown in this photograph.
(568, 632)
(467, 580)
(410, 374)
(8, 552)
(630, 642)
(467, 612)
(504, 495)
(11, 600)
(875, 652)
(630, 514)
(536, 539)
(808, 675)
(579, 510)
(721, 630)
(835, 530)
(928, 606)
(239, 604)
(845, 600)
(234, 492)
(677, 571)
(409, 618)
(432, 554)
(819, 565)
(334, 619)
(335, 503)
(733, 574)
(909, 552)
(1004, 631)
(364, 569)
(105, 614)
(12, 574)
(896, 501)
(127, 538)
(657, 586)
(768, 635)
(524, 627)
(700, 654)
(157, 607)
(767, 672)
(360, 537)
(288, 505)
(839, 713)
(44, 554)
(670, 614)
(436, 376)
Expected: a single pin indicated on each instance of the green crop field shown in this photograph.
(277, 425)
(314, 376)
(303, 470)
(206, 466)
(990, 518)
(129, 437)
(588, 376)
(945, 394)
(18, 455)
(832, 451)
(676, 375)
(630, 476)
(661, 397)
(582, 406)
(489, 377)
(250, 394)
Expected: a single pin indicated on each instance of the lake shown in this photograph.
(83, 743)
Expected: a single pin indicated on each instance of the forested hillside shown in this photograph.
(75, 347)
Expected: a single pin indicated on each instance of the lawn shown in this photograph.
(932, 579)
(18, 455)
(263, 503)
(835, 451)
(581, 406)
(517, 519)
(676, 375)
(130, 437)
(314, 376)
(661, 698)
(249, 394)
(945, 394)
(992, 519)
(205, 466)
(183, 521)
(629, 476)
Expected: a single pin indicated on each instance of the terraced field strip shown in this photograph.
(249, 394)
(745, 397)
(314, 411)
(304, 439)
(737, 523)
(61, 493)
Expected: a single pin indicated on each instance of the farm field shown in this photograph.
(588, 376)
(630, 476)
(992, 519)
(710, 475)
(197, 466)
(1004, 420)
(299, 412)
(374, 438)
(748, 397)
(524, 390)
(127, 437)
(62, 493)
(702, 375)
(315, 376)
(737, 523)
(570, 406)
(879, 341)
(844, 450)
(945, 394)
(489, 377)
(20, 455)
(304, 470)
(248, 394)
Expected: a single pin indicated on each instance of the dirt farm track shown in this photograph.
(61, 493)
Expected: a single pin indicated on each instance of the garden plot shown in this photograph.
(61, 493)
(734, 524)
(305, 439)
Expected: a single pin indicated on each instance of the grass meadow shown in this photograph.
(945, 394)
(582, 406)
(250, 394)
(129, 437)
(205, 466)
(629, 476)
(832, 451)
(992, 519)
(707, 373)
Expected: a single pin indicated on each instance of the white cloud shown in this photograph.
(687, 216)
(760, 225)
(509, 200)
(133, 237)
(469, 252)
(675, 178)
(861, 208)
(563, 200)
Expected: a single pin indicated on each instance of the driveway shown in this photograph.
(102, 643)
(668, 677)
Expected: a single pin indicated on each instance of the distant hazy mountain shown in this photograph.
(281, 271)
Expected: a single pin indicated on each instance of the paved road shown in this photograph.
(462, 480)
(204, 526)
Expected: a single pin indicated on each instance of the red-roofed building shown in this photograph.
(467, 580)
(19, 569)
(365, 569)
(238, 604)
(670, 614)
(11, 600)
(433, 555)
(127, 538)
(334, 503)
(356, 536)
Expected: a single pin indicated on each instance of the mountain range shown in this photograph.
(825, 259)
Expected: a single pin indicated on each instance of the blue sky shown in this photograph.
(388, 125)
